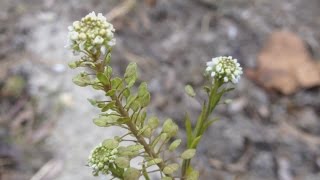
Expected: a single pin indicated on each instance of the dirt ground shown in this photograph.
(261, 135)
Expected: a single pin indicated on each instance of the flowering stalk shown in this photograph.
(93, 39)
(222, 70)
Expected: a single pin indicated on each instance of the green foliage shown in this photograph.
(189, 90)
(171, 168)
(82, 79)
(188, 154)
(124, 106)
(131, 74)
(174, 145)
(131, 174)
(122, 162)
(106, 121)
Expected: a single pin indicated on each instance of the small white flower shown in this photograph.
(103, 49)
(224, 68)
(98, 40)
(225, 79)
(74, 35)
(92, 34)
(112, 42)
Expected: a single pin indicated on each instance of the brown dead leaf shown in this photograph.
(285, 65)
(151, 3)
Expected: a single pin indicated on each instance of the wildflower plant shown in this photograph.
(93, 38)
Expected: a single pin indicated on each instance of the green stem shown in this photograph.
(131, 126)
(203, 118)
(135, 132)
(145, 173)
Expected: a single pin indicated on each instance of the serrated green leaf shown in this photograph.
(189, 90)
(174, 145)
(122, 162)
(131, 74)
(171, 168)
(131, 174)
(110, 143)
(103, 79)
(188, 154)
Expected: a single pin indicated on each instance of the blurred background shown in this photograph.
(270, 131)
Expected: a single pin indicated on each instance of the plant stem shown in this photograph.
(135, 132)
(132, 127)
(201, 121)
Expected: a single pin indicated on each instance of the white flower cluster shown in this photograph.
(100, 159)
(92, 34)
(224, 68)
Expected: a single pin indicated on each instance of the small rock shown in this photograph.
(307, 119)
(237, 105)
(263, 165)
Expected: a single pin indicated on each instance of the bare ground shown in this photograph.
(262, 135)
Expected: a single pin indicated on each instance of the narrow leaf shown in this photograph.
(188, 127)
(174, 145)
(195, 142)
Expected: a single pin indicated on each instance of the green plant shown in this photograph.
(93, 38)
